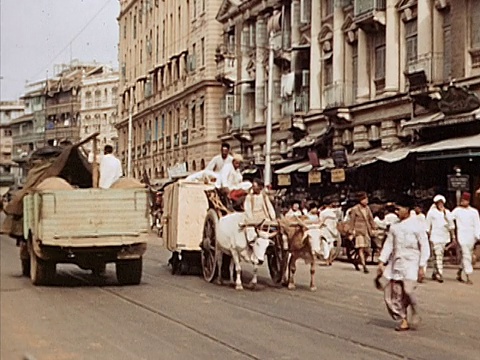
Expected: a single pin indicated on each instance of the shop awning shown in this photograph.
(440, 119)
(292, 167)
(423, 121)
(366, 157)
(395, 155)
(468, 142)
(308, 140)
(324, 164)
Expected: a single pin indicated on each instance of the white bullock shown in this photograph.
(241, 242)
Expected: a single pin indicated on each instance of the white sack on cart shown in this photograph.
(203, 175)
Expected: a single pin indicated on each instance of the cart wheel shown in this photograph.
(209, 263)
(276, 258)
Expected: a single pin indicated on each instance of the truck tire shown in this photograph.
(41, 272)
(26, 267)
(129, 272)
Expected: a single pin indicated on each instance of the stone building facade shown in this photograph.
(9, 112)
(98, 106)
(167, 80)
(62, 102)
(367, 76)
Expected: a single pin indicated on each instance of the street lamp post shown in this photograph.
(268, 145)
(130, 136)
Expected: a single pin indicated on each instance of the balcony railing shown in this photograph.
(227, 68)
(366, 6)
(431, 64)
(288, 107)
(338, 94)
(302, 102)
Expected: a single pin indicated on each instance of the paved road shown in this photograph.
(183, 317)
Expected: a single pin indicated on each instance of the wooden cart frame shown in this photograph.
(276, 255)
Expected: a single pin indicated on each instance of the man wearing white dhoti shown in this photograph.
(468, 232)
(407, 251)
(439, 227)
(329, 220)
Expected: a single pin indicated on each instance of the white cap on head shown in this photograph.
(438, 198)
(238, 157)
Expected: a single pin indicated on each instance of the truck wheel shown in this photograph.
(25, 259)
(129, 272)
(41, 272)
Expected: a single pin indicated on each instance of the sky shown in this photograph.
(35, 35)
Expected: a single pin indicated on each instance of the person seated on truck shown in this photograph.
(218, 162)
(231, 185)
(110, 168)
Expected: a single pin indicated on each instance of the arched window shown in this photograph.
(202, 164)
(194, 166)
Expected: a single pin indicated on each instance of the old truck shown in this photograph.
(81, 225)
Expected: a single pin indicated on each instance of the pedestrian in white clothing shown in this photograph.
(439, 228)
(110, 168)
(406, 251)
(329, 220)
(468, 232)
(218, 162)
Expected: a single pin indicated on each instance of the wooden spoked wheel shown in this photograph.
(209, 263)
(277, 260)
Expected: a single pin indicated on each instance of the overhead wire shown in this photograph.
(68, 46)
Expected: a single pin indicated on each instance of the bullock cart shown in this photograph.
(275, 254)
(184, 211)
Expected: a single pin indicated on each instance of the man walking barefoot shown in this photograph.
(407, 251)
(468, 231)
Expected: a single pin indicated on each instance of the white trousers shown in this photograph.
(467, 251)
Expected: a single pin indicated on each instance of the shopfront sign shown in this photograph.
(284, 180)
(338, 175)
(458, 182)
(314, 177)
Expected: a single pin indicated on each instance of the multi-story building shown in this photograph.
(28, 131)
(167, 80)
(365, 76)
(98, 105)
(9, 111)
(62, 103)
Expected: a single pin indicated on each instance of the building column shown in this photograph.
(360, 138)
(392, 71)
(388, 134)
(315, 56)
(295, 32)
(277, 100)
(243, 88)
(338, 51)
(438, 46)
(363, 67)
(262, 43)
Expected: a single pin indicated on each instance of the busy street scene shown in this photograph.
(240, 179)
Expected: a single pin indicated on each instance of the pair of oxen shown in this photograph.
(248, 242)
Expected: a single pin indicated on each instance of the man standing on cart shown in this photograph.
(218, 162)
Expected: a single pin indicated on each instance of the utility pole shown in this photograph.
(268, 145)
(130, 136)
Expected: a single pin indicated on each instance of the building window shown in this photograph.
(156, 129)
(98, 98)
(135, 25)
(194, 8)
(202, 49)
(328, 75)
(380, 53)
(354, 71)
(114, 96)
(329, 4)
(202, 113)
(162, 126)
(475, 24)
(411, 40)
(88, 100)
(447, 46)
(305, 11)
(192, 115)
